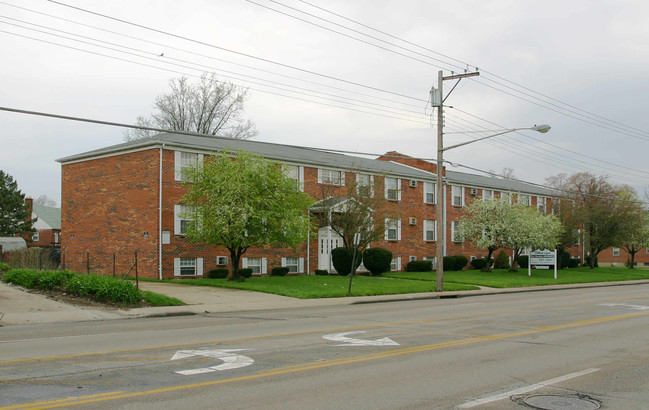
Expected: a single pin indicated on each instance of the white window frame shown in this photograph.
(263, 265)
(432, 259)
(429, 190)
(457, 192)
(489, 197)
(180, 263)
(392, 188)
(180, 212)
(328, 176)
(183, 160)
(430, 226)
(412, 258)
(616, 251)
(520, 197)
(392, 224)
(57, 237)
(295, 172)
(297, 267)
(454, 232)
(395, 264)
(36, 236)
(365, 181)
(541, 204)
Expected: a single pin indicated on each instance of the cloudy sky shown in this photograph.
(352, 76)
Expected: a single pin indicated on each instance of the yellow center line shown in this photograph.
(330, 363)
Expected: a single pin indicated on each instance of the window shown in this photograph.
(412, 258)
(258, 265)
(183, 161)
(182, 219)
(56, 237)
(294, 265)
(540, 204)
(365, 185)
(331, 177)
(36, 236)
(392, 229)
(524, 199)
(487, 194)
(455, 232)
(395, 265)
(429, 193)
(616, 251)
(188, 266)
(392, 189)
(429, 230)
(456, 192)
(295, 172)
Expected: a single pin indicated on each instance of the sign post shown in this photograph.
(542, 259)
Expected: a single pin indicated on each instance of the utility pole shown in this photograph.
(437, 100)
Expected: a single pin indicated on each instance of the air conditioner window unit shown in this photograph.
(474, 191)
(413, 221)
(413, 183)
(221, 260)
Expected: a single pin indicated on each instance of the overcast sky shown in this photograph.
(579, 65)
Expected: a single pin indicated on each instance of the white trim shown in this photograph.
(177, 211)
(300, 265)
(264, 266)
(199, 267)
(176, 266)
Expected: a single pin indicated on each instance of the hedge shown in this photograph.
(341, 258)
(219, 273)
(279, 271)
(377, 260)
(419, 266)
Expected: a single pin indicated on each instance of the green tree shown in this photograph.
(239, 200)
(635, 234)
(501, 223)
(14, 212)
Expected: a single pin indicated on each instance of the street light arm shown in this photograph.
(540, 128)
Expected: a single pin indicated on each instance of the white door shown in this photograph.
(327, 240)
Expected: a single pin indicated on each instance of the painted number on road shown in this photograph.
(230, 360)
(345, 340)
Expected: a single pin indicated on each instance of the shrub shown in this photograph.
(563, 259)
(245, 272)
(502, 261)
(377, 260)
(4, 267)
(523, 261)
(574, 262)
(419, 266)
(49, 280)
(480, 263)
(27, 278)
(218, 273)
(341, 258)
(279, 271)
(321, 272)
(460, 262)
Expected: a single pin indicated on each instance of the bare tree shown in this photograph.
(506, 173)
(209, 107)
(45, 200)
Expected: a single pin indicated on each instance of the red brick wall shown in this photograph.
(107, 206)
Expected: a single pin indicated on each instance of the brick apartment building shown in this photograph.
(126, 198)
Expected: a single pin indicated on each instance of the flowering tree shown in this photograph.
(502, 224)
(242, 200)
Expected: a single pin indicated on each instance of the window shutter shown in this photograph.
(399, 192)
(283, 262)
(399, 230)
(399, 263)
(176, 266)
(244, 263)
(300, 265)
(177, 210)
(371, 186)
(342, 178)
(301, 177)
(199, 266)
(264, 266)
(319, 176)
(177, 168)
(200, 159)
(387, 221)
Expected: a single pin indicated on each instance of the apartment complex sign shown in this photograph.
(543, 259)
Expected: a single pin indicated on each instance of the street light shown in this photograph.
(441, 203)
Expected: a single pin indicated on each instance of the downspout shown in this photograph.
(308, 251)
(160, 217)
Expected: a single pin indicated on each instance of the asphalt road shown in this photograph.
(584, 346)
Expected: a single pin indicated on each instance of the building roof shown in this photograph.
(11, 244)
(303, 156)
(49, 215)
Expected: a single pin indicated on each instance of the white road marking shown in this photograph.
(634, 307)
(349, 341)
(230, 360)
(524, 390)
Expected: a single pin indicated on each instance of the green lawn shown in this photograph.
(313, 287)
(502, 278)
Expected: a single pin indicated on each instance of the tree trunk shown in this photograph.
(235, 257)
(632, 259)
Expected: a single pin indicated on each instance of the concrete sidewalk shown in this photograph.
(20, 307)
